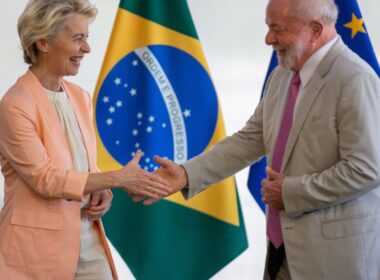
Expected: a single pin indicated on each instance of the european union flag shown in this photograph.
(352, 29)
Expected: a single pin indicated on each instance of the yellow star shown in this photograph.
(356, 25)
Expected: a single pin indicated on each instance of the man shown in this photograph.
(319, 126)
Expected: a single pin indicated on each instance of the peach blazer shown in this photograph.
(40, 220)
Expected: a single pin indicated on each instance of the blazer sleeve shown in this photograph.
(21, 145)
(228, 156)
(358, 170)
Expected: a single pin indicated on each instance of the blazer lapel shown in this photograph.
(50, 117)
(311, 93)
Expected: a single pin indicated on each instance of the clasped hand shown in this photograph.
(170, 172)
(141, 183)
(272, 189)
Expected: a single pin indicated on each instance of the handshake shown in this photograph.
(151, 187)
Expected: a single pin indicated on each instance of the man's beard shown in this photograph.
(290, 59)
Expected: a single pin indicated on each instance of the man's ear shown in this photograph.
(43, 46)
(317, 28)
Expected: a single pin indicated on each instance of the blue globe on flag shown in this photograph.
(158, 99)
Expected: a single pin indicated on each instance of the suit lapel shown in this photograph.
(311, 93)
(50, 117)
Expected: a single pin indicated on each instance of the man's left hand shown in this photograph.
(272, 189)
(100, 202)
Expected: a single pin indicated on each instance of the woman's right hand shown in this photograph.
(141, 183)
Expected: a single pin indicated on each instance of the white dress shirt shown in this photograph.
(93, 262)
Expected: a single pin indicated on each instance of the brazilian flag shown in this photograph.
(155, 94)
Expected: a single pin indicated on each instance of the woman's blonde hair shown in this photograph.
(43, 19)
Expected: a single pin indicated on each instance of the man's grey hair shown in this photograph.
(323, 10)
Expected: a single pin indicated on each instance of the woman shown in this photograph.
(54, 197)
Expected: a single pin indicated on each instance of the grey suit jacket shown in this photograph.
(331, 221)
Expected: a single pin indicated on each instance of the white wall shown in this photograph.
(232, 34)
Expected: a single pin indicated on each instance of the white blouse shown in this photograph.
(93, 262)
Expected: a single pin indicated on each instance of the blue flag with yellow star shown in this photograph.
(351, 27)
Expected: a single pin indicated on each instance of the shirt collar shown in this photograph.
(311, 64)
